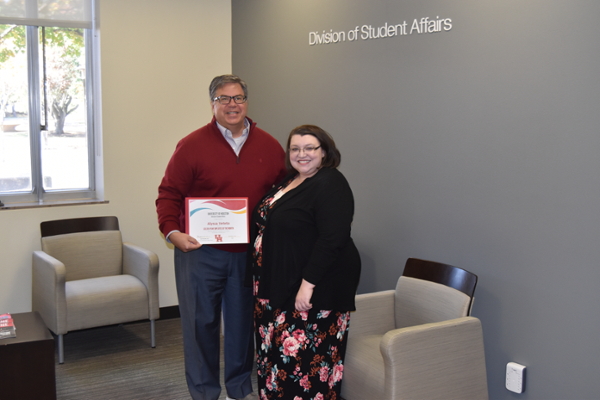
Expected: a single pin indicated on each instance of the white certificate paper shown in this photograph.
(214, 220)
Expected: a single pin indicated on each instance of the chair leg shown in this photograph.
(61, 350)
(152, 334)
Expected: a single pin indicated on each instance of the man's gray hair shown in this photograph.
(221, 80)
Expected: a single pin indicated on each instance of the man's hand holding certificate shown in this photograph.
(213, 220)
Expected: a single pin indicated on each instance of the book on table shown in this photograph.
(7, 327)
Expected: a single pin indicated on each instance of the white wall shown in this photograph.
(158, 57)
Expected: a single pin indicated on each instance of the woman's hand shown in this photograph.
(303, 297)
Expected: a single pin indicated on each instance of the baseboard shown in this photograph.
(169, 312)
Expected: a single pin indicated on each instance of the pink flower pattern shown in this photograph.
(296, 359)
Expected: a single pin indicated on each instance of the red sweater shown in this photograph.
(205, 165)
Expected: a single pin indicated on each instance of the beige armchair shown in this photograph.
(85, 277)
(417, 342)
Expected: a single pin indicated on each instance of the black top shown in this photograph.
(307, 235)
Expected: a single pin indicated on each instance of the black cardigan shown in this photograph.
(308, 236)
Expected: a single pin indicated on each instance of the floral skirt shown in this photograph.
(299, 354)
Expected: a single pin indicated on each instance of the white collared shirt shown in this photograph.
(235, 143)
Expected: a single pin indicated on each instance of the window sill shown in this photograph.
(20, 206)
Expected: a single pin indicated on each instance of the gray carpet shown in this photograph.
(117, 362)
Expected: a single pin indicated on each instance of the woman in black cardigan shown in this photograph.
(305, 271)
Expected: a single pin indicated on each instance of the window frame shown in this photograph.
(38, 196)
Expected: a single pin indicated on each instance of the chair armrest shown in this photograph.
(441, 360)
(48, 291)
(143, 264)
(374, 313)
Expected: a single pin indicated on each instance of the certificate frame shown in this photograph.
(217, 220)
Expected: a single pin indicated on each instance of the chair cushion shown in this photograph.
(105, 301)
(363, 368)
(87, 254)
(421, 302)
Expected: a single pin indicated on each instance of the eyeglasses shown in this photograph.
(307, 149)
(239, 99)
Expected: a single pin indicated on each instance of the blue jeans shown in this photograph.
(208, 281)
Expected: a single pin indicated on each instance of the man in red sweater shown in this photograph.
(229, 157)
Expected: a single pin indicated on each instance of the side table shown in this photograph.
(28, 360)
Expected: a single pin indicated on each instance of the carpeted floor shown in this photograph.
(117, 362)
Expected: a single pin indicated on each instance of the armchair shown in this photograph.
(418, 341)
(85, 277)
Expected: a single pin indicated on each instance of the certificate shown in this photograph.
(212, 220)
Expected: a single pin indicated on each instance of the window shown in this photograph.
(48, 134)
